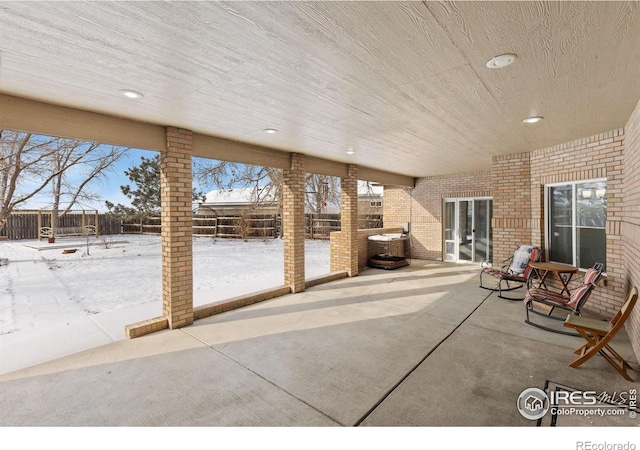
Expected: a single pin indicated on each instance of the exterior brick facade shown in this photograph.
(630, 225)
(422, 207)
(510, 177)
(598, 156)
(176, 197)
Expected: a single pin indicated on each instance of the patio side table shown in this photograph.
(564, 272)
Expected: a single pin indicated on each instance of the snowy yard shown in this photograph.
(54, 304)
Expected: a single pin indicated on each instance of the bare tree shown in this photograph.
(23, 160)
(266, 182)
(92, 165)
(30, 163)
(321, 190)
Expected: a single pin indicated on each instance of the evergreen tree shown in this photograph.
(145, 193)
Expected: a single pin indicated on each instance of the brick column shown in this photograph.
(344, 253)
(176, 203)
(293, 223)
(511, 222)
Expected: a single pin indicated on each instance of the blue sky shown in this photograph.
(108, 188)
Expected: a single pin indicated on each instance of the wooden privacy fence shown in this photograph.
(319, 226)
(27, 224)
(252, 226)
(142, 225)
(248, 226)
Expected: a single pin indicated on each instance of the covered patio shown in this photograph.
(420, 346)
(398, 93)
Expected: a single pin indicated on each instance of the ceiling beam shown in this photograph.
(52, 120)
(36, 117)
(212, 147)
(385, 178)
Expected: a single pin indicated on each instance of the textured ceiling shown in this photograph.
(405, 84)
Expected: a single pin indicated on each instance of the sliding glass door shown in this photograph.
(467, 229)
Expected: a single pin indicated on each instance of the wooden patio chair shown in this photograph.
(599, 334)
(547, 301)
(515, 269)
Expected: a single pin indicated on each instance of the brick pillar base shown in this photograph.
(293, 223)
(177, 227)
(344, 251)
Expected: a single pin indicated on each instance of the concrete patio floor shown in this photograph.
(418, 346)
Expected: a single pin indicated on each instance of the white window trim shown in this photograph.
(573, 184)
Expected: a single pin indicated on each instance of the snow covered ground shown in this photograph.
(54, 304)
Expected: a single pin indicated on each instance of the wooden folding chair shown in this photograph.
(599, 333)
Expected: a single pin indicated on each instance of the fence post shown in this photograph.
(39, 225)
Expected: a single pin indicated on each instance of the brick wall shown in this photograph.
(516, 183)
(422, 208)
(511, 222)
(598, 156)
(631, 219)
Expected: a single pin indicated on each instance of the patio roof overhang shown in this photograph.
(43, 118)
(404, 85)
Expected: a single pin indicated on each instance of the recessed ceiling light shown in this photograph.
(270, 130)
(501, 61)
(131, 94)
(350, 151)
(532, 119)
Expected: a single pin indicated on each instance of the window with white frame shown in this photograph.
(576, 222)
